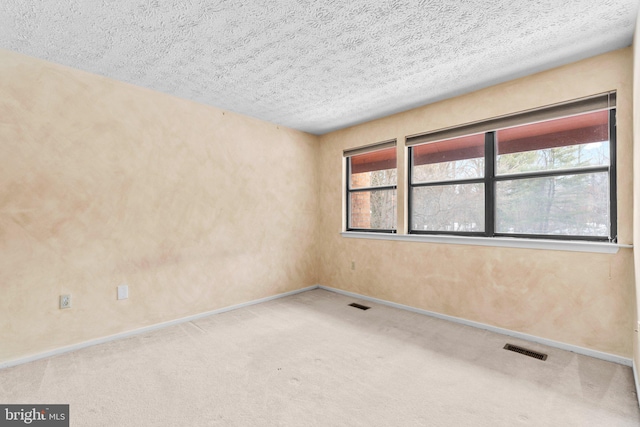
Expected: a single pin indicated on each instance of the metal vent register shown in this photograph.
(526, 352)
(360, 306)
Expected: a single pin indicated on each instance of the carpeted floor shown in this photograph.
(311, 360)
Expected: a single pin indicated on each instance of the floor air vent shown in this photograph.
(526, 352)
(360, 306)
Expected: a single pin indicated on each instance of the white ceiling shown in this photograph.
(311, 65)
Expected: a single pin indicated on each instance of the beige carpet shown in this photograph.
(311, 360)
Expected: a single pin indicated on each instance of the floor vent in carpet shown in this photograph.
(360, 306)
(526, 352)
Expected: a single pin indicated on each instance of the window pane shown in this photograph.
(374, 169)
(374, 209)
(458, 207)
(575, 205)
(570, 142)
(378, 178)
(458, 158)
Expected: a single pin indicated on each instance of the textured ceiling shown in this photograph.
(316, 66)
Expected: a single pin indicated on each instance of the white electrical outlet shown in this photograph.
(65, 301)
(123, 292)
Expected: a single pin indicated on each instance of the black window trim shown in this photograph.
(489, 180)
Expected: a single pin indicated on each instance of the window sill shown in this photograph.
(504, 242)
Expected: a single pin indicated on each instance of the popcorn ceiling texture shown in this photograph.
(315, 66)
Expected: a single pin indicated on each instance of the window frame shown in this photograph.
(442, 183)
(490, 180)
(347, 155)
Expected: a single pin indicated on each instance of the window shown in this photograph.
(447, 185)
(525, 175)
(372, 188)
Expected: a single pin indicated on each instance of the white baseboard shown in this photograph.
(576, 349)
(150, 328)
(635, 378)
(573, 348)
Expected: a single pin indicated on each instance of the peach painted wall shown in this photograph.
(583, 299)
(103, 183)
(636, 196)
